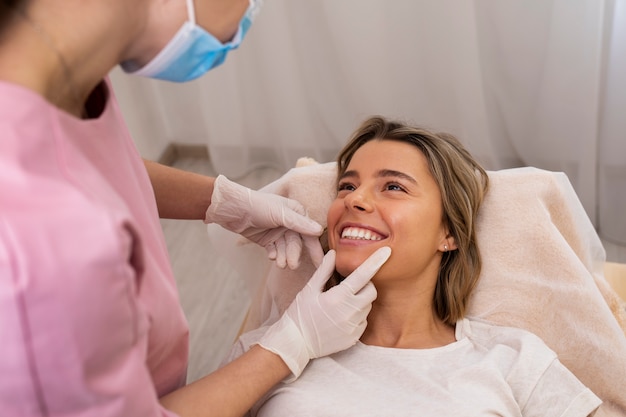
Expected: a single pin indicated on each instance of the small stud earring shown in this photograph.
(445, 248)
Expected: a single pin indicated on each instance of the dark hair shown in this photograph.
(7, 10)
(10, 4)
(462, 183)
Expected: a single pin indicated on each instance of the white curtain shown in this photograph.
(520, 82)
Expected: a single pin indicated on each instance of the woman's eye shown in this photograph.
(392, 186)
(345, 186)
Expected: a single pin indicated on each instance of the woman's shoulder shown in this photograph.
(492, 336)
(531, 367)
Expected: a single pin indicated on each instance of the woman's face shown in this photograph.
(387, 197)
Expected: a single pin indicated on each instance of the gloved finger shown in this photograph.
(281, 255)
(293, 249)
(314, 247)
(294, 218)
(362, 275)
(367, 294)
(323, 273)
(270, 248)
(265, 237)
(358, 331)
(360, 305)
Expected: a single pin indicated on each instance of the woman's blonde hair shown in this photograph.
(462, 183)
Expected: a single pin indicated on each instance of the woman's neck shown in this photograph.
(406, 319)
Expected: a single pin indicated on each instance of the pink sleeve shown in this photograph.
(73, 334)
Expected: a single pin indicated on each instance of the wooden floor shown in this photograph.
(214, 298)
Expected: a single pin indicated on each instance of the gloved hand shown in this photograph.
(319, 323)
(286, 249)
(277, 223)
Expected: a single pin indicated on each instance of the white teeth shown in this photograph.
(358, 233)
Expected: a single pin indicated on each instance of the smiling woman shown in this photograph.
(427, 189)
(419, 192)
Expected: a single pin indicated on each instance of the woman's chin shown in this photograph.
(346, 266)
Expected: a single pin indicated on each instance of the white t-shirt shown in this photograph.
(489, 371)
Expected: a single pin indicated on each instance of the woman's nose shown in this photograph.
(358, 200)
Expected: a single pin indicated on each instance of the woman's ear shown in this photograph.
(448, 243)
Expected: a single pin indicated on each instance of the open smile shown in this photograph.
(361, 233)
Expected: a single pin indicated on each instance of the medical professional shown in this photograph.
(90, 322)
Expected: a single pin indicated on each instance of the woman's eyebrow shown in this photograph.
(391, 173)
(381, 174)
(349, 174)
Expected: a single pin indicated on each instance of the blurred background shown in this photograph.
(532, 82)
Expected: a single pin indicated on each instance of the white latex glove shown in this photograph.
(277, 223)
(286, 249)
(319, 323)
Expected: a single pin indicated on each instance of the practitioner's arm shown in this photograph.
(179, 194)
(277, 223)
(231, 390)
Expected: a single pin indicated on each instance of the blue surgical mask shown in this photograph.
(192, 51)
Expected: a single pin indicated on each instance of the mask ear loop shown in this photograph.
(191, 11)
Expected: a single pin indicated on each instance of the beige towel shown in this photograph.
(542, 271)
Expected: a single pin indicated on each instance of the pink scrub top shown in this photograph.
(90, 320)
